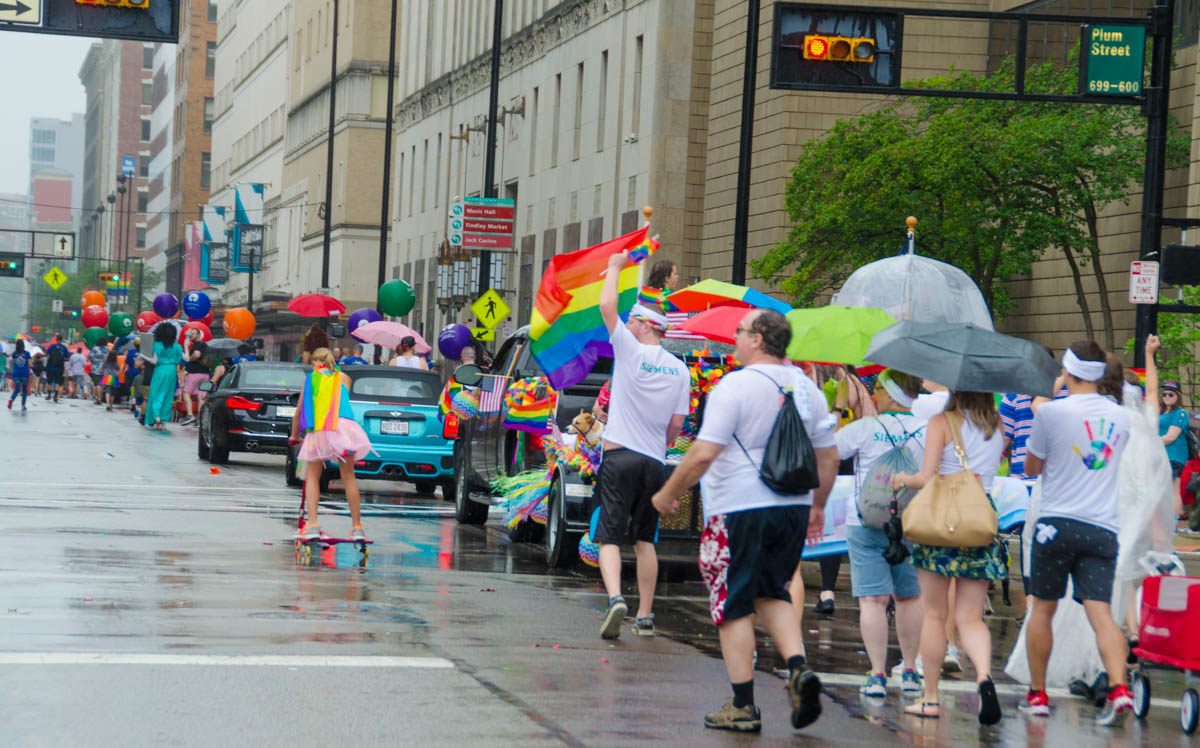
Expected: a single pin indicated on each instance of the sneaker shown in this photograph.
(187, 421)
(1116, 708)
(644, 626)
(875, 687)
(1037, 704)
(918, 665)
(951, 664)
(910, 682)
(356, 533)
(730, 717)
(611, 629)
(308, 533)
(10, 402)
(804, 693)
(824, 607)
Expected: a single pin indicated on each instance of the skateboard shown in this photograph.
(305, 548)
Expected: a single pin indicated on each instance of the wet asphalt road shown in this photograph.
(145, 600)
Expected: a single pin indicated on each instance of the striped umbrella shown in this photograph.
(713, 293)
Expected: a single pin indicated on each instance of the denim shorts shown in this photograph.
(870, 573)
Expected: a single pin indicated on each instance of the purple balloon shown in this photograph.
(361, 317)
(166, 305)
(453, 339)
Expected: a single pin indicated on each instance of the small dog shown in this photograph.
(587, 427)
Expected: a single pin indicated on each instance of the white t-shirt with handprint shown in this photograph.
(1080, 438)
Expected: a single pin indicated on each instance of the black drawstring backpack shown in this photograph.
(789, 465)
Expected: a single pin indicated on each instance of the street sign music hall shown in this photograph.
(1113, 60)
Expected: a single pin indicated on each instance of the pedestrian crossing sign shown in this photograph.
(490, 309)
(55, 278)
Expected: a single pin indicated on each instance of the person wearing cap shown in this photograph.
(651, 395)
(1076, 445)
(406, 355)
(1172, 428)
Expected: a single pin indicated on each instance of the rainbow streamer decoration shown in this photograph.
(524, 495)
(326, 394)
(642, 252)
(533, 418)
(567, 332)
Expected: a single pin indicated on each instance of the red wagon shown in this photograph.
(1170, 636)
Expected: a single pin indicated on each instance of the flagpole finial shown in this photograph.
(912, 222)
(647, 212)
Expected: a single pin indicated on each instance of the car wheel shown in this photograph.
(562, 547)
(289, 468)
(528, 531)
(425, 487)
(467, 512)
(202, 448)
(218, 454)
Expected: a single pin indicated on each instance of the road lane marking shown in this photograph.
(149, 659)
(962, 686)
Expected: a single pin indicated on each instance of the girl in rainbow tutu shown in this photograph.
(330, 434)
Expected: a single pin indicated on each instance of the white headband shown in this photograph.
(1088, 371)
(894, 391)
(649, 315)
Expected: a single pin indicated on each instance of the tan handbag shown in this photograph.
(952, 511)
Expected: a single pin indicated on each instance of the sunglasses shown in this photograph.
(746, 330)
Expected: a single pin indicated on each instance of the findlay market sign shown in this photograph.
(1112, 60)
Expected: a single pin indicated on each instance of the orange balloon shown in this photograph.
(238, 323)
(92, 298)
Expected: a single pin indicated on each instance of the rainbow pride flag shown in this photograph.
(642, 252)
(533, 418)
(452, 388)
(567, 332)
(325, 397)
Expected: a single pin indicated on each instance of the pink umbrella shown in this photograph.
(389, 335)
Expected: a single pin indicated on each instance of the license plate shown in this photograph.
(394, 427)
(285, 412)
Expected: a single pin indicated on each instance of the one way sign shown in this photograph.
(64, 246)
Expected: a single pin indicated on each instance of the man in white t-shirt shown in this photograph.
(651, 391)
(753, 537)
(1075, 444)
(873, 580)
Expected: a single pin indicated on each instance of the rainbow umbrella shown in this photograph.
(713, 293)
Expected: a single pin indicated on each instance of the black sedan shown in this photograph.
(250, 410)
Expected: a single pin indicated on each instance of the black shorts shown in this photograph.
(751, 555)
(1176, 469)
(624, 485)
(1068, 548)
(54, 378)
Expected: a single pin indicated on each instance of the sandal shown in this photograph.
(921, 709)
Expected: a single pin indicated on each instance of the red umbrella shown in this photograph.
(316, 305)
(718, 324)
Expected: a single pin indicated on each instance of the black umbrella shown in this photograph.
(965, 357)
(224, 347)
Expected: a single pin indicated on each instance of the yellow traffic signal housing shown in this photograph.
(140, 4)
(838, 48)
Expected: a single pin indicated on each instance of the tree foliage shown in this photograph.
(994, 185)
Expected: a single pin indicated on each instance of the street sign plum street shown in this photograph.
(1112, 59)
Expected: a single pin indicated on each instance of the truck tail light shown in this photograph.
(450, 426)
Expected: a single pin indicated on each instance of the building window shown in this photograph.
(578, 112)
(145, 131)
(210, 60)
(206, 170)
(212, 10)
(533, 123)
(208, 114)
(143, 166)
(43, 154)
(603, 100)
(44, 136)
(147, 94)
(635, 120)
(141, 238)
(143, 201)
(557, 120)
(147, 58)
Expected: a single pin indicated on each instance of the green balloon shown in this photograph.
(92, 335)
(120, 324)
(396, 298)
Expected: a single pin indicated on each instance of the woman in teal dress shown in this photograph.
(166, 357)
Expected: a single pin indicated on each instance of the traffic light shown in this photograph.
(838, 48)
(36, 328)
(12, 266)
(141, 4)
(109, 277)
(70, 313)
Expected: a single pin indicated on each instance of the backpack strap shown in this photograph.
(787, 396)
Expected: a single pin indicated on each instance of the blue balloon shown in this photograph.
(196, 305)
(166, 305)
(361, 317)
(453, 339)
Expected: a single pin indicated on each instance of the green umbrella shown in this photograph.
(835, 334)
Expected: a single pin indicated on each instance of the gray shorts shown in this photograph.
(870, 573)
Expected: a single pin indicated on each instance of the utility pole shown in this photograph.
(1162, 16)
(387, 156)
(489, 168)
(741, 215)
(329, 152)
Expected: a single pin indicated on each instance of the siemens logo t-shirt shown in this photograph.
(649, 386)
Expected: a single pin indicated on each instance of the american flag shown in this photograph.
(491, 394)
(676, 319)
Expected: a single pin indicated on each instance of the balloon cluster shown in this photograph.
(525, 392)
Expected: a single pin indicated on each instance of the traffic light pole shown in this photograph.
(329, 152)
(387, 155)
(741, 216)
(489, 161)
(1157, 101)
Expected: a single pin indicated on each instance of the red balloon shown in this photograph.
(206, 320)
(205, 332)
(94, 316)
(145, 321)
(239, 323)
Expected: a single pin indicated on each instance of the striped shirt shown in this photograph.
(1016, 416)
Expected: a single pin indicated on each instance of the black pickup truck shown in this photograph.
(485, 449)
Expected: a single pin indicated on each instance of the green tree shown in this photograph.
(994, 185)
(81, 278)
(1180, 335)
